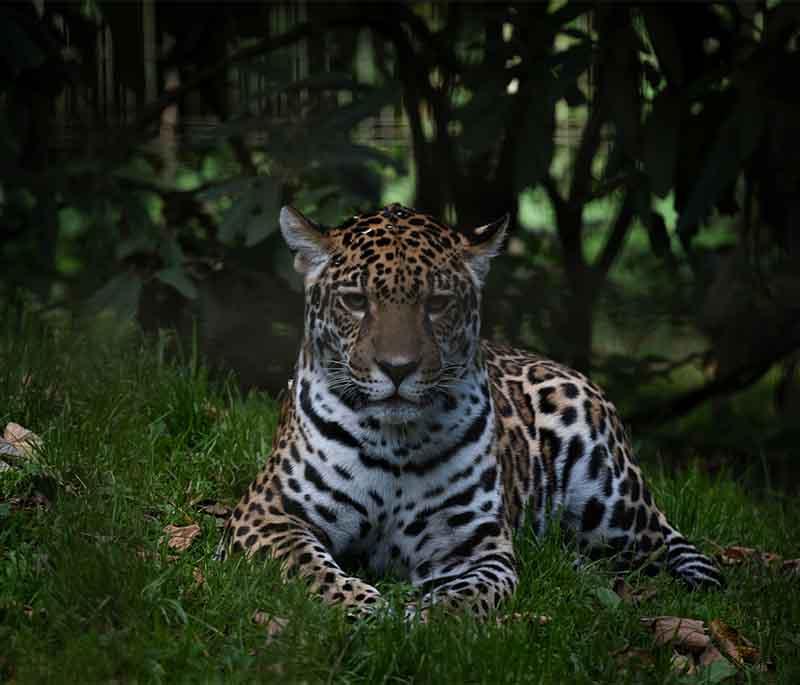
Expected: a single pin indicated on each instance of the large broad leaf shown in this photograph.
(254, 213)
(332, 80)
(736, 141)
(120, 294)
(346, 117)
(263, 222)
(534, 152)
(666, 43)
(17, 49)
(660, 144)
(176, 277)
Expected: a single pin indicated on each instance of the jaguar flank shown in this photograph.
(407, 443)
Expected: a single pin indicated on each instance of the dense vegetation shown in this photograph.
(648, 155)
(90, 591)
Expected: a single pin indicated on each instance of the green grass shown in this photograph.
(132, 443)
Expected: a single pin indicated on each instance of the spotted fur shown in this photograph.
(408, 444)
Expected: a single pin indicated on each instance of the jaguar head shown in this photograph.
(392, 306)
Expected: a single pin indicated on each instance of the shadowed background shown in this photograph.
(649, 155)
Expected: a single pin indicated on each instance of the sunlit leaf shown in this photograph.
(72, 222)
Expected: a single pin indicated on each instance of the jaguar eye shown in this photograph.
(436, 304)
(355, 302)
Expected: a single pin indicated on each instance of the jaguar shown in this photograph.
(408, 445)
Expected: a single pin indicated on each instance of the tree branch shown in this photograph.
(616, 239)
(784, 341)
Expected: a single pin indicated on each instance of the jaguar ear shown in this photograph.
(484, 243)
(305, 239)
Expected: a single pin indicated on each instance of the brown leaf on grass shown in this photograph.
(147, 555)
(23, 441)
(631, 596)
(633, 656)
(199, 578)
(181, 537)
(791, 566)
(683, 664)
(36, 500)
(274, 624)
(735, 555)
(216, 509)
(701, 648)
(213, 412)
(524, 617)
(734, 645)
(683, 633)
(709, 655)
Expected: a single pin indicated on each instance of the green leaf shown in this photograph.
(659, 237)
(332, 80)
(17, 49)
(716, 672)
(346, 117)
(120, 294)
(138, 244)
(607, 597)
(735, 143)
(660, 146)
(262, 223)
(71, 222)
(661, 31)
(534, 153)
(176, 277)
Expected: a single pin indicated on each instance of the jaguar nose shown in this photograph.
(397, 372)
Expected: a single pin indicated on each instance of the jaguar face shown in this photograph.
(392, 306)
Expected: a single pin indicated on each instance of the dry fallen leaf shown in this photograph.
(791, 566)
(214, 412)
(699, 649)
(631, 596)
(181, 537)
(524, 617)
(24, 441)
(709, 656)
(147, 555)
(734, 645)
(275, 624)
(633, 656)
(686, 633)
(735, 555)
(36, 500)
(216, 509)
(682, 664)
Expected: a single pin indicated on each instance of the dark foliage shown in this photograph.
(685, 109)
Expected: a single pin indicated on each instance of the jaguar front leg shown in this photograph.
(259, 527)
(476, 584)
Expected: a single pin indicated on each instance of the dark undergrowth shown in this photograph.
(131, 443)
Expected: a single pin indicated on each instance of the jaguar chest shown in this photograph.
(389, 501)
